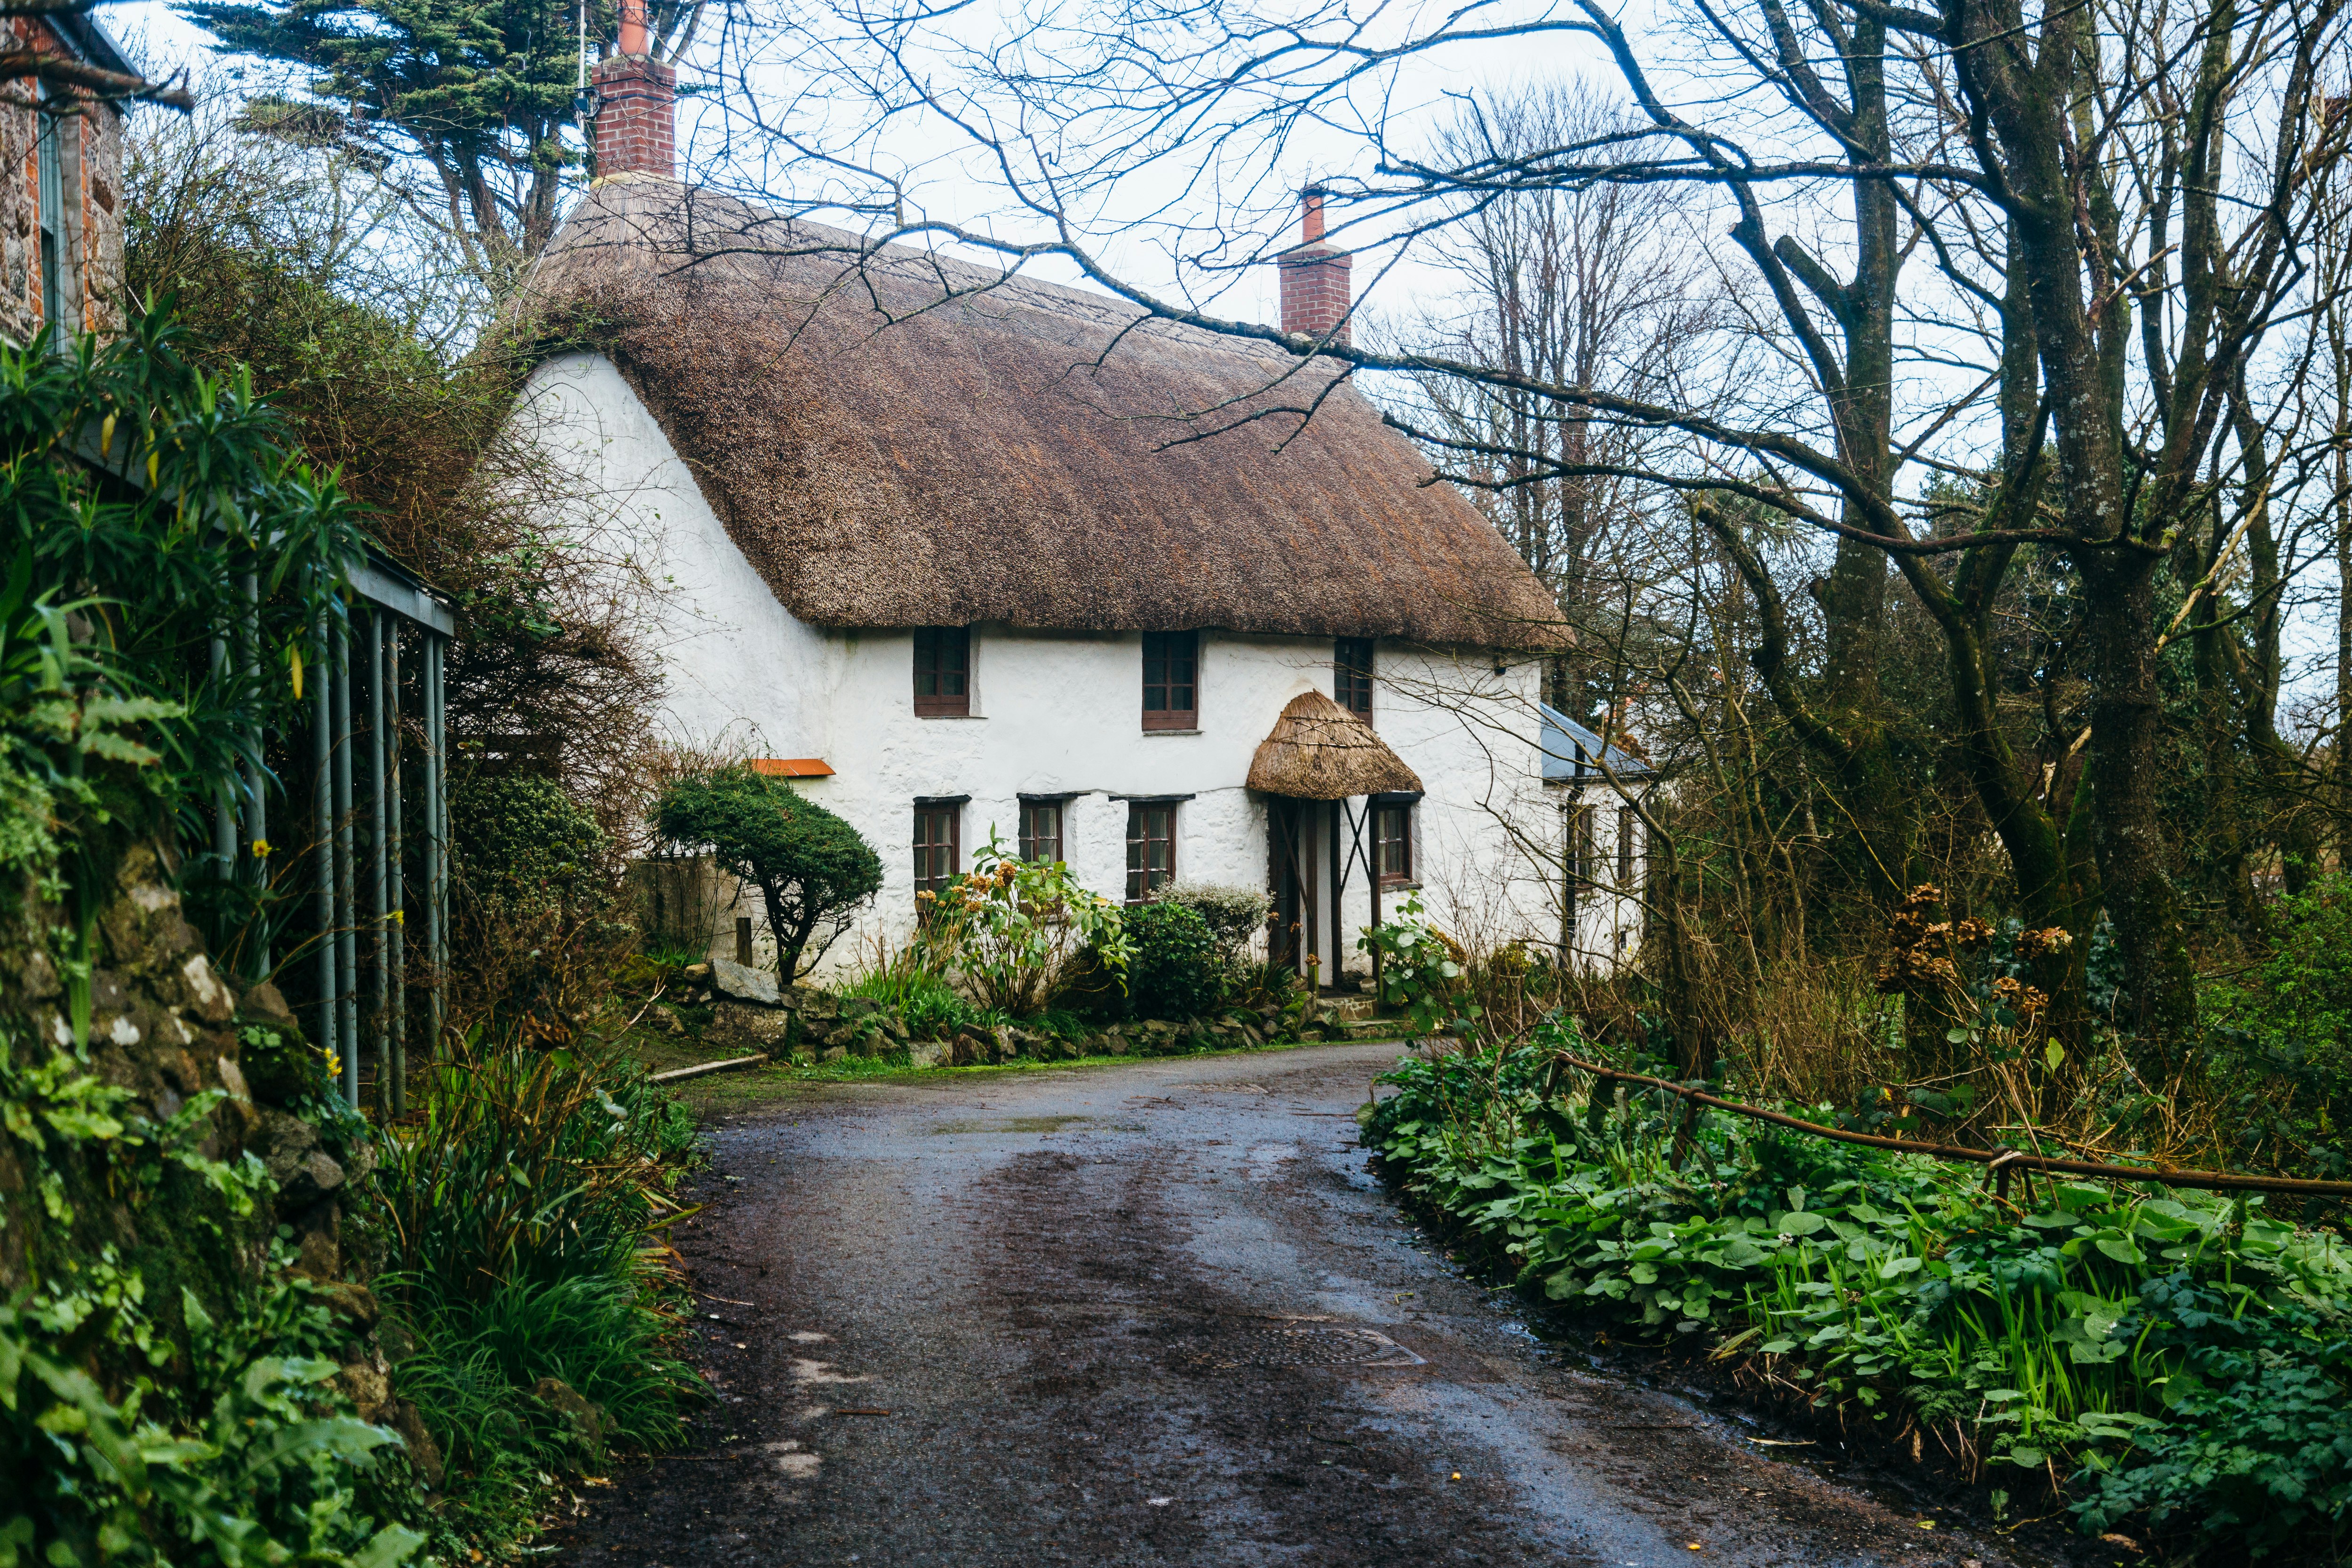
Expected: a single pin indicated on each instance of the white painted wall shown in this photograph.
(1051, 713)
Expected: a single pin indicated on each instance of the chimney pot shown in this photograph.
(636, 105)
(1317, 292)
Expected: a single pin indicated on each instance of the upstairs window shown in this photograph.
(1392, 840)
(1629, 829)
(1150, 848)
(1041, 830)
(937, 854)
(942, 671)
(1171, 685)
(1351, 675)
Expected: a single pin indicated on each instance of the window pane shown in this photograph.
(1041, 832)
(1351, 683)
(935, 847)
(942, 669)
(1170, 677)
(1150, 849)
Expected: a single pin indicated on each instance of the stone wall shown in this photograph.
(167, 1029)
(92, 150)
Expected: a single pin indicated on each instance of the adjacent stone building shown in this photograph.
(61, 203)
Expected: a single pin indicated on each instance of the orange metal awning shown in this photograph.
(792, 767)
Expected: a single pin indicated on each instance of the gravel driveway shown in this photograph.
(1160, 1314)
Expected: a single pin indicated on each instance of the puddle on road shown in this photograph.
(1010, 1125)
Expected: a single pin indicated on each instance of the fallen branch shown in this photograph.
(2003, 1160)
(701, 1068)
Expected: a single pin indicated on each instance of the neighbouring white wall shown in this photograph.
(1052, 713)
(1610, 912)
(736, 667)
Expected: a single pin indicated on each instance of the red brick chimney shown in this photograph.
(1316, 291)
(637, 104)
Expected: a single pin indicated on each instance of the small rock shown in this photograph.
(207, 997)
(928, 1053)
(232, 1078)
(585, 1419)
(753, 1028)
(354, 1304)
(266, 1002)
(366, 1386)
(320, 1258)
(424, 1453)
(833, 1053)
(743, 984)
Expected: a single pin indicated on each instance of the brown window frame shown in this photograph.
(1143, 879)
(1030, 840)
(933, 647)
(1399, 809)
(1164, 654)
(1628, 822)
(1351, 675)
(929, 875)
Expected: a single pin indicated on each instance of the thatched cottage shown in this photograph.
(969, 557)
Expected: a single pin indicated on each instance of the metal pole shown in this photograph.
(256, 799)
(322, 821)
(347, 936)
(379, 1004)
(397, 935)
(437, 858)
(224, 807)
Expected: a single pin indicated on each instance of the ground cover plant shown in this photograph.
(537, 1305)
(2161, 1361)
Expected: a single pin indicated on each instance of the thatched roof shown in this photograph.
(1320, 750)
(893, 445)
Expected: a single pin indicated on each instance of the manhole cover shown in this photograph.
(1303, 1344)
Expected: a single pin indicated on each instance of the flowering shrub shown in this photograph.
(1012, 926)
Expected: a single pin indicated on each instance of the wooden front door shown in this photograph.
(1290, 851)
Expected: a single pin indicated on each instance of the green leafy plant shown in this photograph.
(1418, 973)
(1013, 928)
(2184, 1353)
(212, 1435)
(813, 868)
(1175, 970)
(525, 849)
(1234, 914)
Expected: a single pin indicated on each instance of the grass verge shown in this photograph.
(748, 1088)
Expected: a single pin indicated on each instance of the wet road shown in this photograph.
(1157, 1314)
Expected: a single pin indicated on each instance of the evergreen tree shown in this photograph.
(482, 92)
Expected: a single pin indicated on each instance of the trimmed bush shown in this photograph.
(1177, 971)
(814, 870)
(524, 848)
(1234, 914)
